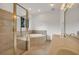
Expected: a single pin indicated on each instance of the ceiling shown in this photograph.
(34, 8)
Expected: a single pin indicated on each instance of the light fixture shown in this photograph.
(39, 10)
(66, 6)
(71, 5)
(30, 8)
(51, 5)
(63, 6)
(14, 16)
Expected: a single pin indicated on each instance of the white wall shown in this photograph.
(49, 21)
(6, 6)
(9, 7)
(72, 20)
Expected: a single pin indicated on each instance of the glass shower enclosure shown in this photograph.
(13, 29)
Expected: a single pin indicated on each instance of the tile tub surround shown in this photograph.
(6, 33)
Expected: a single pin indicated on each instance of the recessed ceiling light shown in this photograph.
(51, 5)
(30, 8)
(39, 10)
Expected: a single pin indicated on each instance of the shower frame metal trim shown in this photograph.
(15, 26)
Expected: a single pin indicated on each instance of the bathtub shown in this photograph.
(65, 51)
(64, 46)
